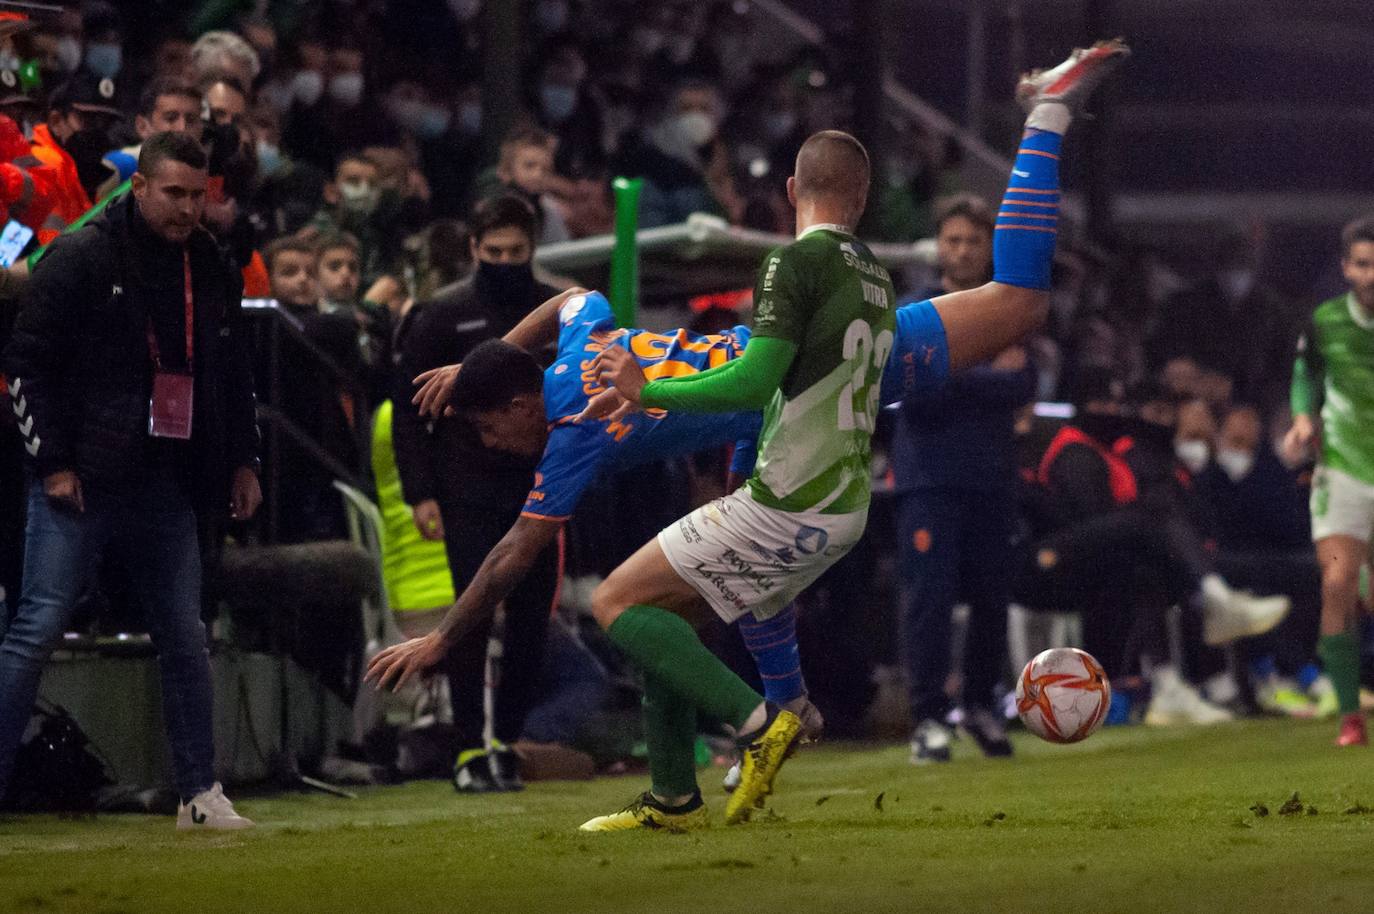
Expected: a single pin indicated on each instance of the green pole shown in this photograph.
(625, 258)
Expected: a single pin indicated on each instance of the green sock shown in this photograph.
(1341, 657)
(665, 647)
(670, 730)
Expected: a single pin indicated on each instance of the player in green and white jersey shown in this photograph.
(816, 363)
(1333, 403)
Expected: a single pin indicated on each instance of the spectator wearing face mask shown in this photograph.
(680, 159)
(331, 112)
(565, 106)
(1260, 523)
(1233, 325)
(460, 492)
(352, 202)
(1193, 436)
(78, 114)
(453, 158)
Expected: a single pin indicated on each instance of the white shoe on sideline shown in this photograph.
(1173, 701)
(210, 809)
(1230, 614)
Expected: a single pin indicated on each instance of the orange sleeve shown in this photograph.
(256, 283)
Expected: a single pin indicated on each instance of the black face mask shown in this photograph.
(508, 285)
(87, 148)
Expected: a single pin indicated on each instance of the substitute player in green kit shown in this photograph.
(1333, 402)
(817, 362)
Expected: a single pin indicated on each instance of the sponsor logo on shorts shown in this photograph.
(688, 530)
(718, 582)
(811, 540)
(746, 570)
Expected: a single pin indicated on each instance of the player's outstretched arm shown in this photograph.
(743, 384)
(504, 568)
(538, 329)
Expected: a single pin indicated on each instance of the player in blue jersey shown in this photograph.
(517, 408)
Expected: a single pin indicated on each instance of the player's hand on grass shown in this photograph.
(1297, 444)
(401, 664)
(436, 386)
(610, 404)
(617, 368)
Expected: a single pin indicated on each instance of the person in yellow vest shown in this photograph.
(415, 570)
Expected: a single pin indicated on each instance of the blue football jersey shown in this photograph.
(577, 452)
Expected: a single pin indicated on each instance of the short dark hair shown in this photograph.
(503, 211)
(335, 240)
(495, 373)
(164, 86)
(173, 146)
(286, 244)
(832, 164)
(964, 206)
(1361, 229)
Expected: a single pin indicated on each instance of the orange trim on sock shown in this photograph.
(1029, 190)
(1005, 214)
(1037, 152)
(1031, 203)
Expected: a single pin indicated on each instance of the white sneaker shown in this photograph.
(930, 743)
(210, 809)
(1175, 702)
(1230, 614)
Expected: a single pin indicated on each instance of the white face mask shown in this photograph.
(696, 127)
(307, 86)
(68, 52)
(1192, 454)
(1235, 464)
(346, 88)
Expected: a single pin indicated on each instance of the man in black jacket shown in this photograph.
(469, 496)
(135, 403)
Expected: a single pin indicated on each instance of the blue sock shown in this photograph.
(773, 643)
(1308, 675)
(1262, 667)
(1023, 240)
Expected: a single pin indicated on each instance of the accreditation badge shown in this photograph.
(170, 408)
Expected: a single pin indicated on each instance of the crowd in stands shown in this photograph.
(351, 184)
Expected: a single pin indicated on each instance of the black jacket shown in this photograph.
(78, 364)
(444, 460)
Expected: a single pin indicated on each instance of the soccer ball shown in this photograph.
(1063, 695)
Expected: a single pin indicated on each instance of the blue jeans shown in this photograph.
(151, 526)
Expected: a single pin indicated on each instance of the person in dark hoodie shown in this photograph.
(460, 492)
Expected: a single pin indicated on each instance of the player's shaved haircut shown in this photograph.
(832, 165)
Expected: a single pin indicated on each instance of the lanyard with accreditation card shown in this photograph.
(169, 408)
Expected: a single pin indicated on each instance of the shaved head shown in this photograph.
(833, 166)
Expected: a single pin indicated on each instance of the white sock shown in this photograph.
(1054, 117)
(672, 802)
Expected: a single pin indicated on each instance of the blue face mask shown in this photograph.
(104, 60)
(470, 118)
(557, 102)
(269, 158)
(432, 122)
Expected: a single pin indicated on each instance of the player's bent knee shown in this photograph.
(607, 604)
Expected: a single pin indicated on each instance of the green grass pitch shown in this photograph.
(1131, 820)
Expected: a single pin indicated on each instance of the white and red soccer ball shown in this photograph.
(1063, 695)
